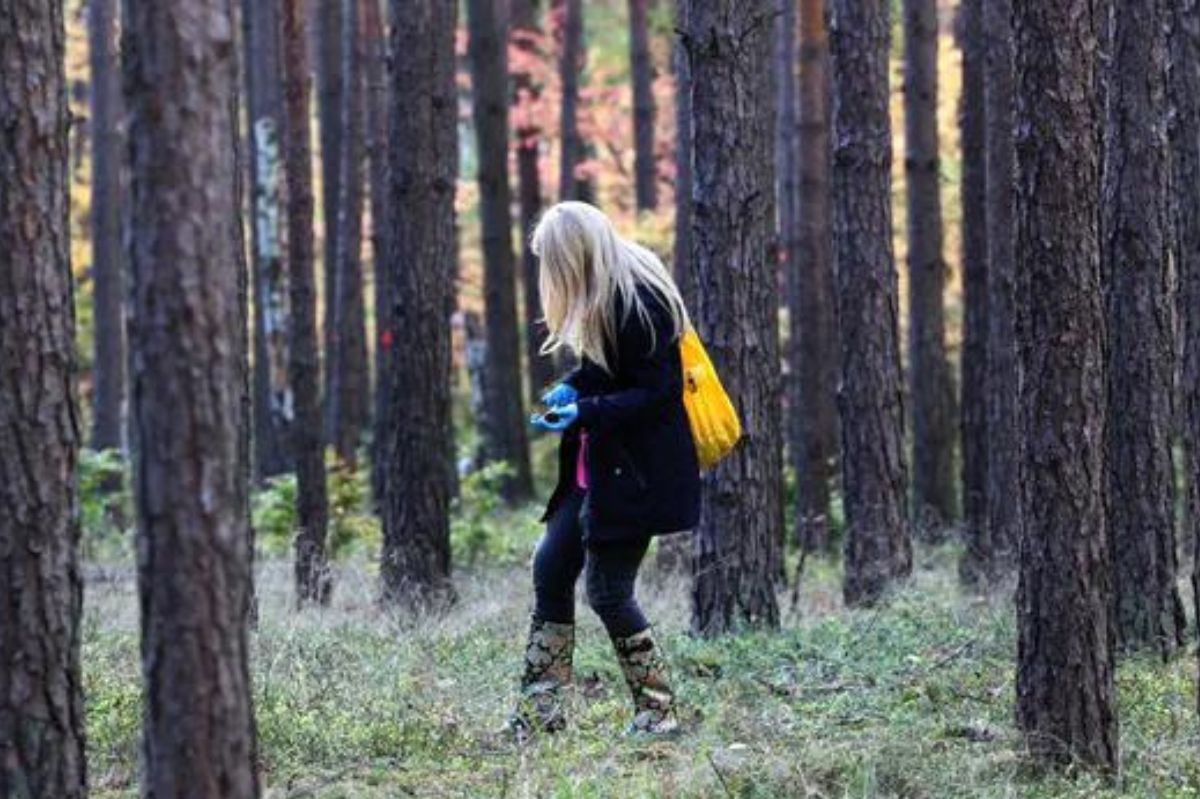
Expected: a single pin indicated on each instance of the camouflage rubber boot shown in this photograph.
(547, 673)
(646, 674)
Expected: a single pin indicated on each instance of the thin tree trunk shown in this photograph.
(415, 566)
(642, 74)
(1141, 329)
(568, 15)
(812, 299)
(350, 387)
(738, 546)
(526, 38)
(375, 53)
(503, 426)
(188, 378)
(1184, 87)
(41, 697)
(1065, 695)
(878, 547)
(108, 265)
(327, 38)
(930, 384)
(308, 446)
(1004, 516)
(264, 98)
(977, 566)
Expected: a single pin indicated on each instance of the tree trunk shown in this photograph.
(188, 379)
(41, 698)
(977, 566)
(878, 547)
(264, 90)
(1004, 517)
(812, 300)
(930, 384)
(526, 38)
(787, 179)
(376, 55)
(503, 428)
(308, 445)
(642, 74)
(350, 388)
(1141, 329)
(108, 268)
(415, 567)
(1065, 695)
(1184, 87)
(738, 544)
(568, 15)
(327, 16)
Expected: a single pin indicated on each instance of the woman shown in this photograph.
(627, 463)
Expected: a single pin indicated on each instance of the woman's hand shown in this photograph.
(561, 394)
(556, 419)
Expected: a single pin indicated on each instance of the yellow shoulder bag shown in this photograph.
(714, 421)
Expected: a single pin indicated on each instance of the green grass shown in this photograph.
(911, 700)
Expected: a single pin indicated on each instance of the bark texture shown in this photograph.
(569, 16)
(188, 380)
(503, 425)
(308, 440)
(1184, 87)
(930, 385)
(812, 300)
(325, 34)
(977, 565)
(1065, 695)
(738, 545)
(645, 169)
(350, 388)
(1004, 516)
(41, 697)
(526, 37)
(273, 407)
(108, 260)
(878, 546)
(415, 566)
(1141, 330)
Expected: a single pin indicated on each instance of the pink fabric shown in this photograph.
(581, 478)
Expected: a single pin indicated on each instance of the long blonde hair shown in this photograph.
(585, 266)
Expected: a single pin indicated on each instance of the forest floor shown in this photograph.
(911, 700)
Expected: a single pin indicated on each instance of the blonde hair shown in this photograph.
(585, 266)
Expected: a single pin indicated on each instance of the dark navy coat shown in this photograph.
(643, 476)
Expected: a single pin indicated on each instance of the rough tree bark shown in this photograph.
(1004, 373)
(108, 262)
(738, 546)
(811, 293)
(1141, 330)
(350, 383)
(375, 66)
(308, 441)
(188, 387)
(526, 38)
(264, 101)
(568, 17)
(976, 567)
(415, 567)
(878, 545)
(1184, 87)
(645, 169)
(930, 385)
(503, 425)
(41, 696)
(1065, 694)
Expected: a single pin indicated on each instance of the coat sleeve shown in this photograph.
(651, 370)
(587, 378)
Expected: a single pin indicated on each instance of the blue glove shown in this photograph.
(556, 419)
(561, 394)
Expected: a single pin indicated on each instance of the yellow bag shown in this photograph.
(716, 428)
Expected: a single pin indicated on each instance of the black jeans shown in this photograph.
(612, 568)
